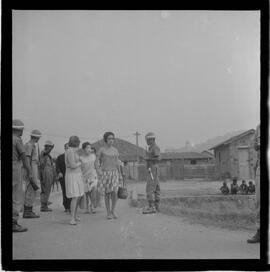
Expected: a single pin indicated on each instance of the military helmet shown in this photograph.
(17, 124)
(150, 135)
(36, 133)
(49, 143)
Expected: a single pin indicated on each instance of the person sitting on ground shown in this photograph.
(234, 187)
(243, 188)
(251, 188)
(224, 188)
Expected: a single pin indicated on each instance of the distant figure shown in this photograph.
(243, 188)
(234, 187)
(251, 188)
(224, 188)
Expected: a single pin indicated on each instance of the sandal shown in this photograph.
(109, 216)
(78, 219)
(114, 216)
(73, 222)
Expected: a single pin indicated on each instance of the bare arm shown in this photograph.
(98, 161)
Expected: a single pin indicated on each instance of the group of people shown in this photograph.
(84, 174)
(243, 189)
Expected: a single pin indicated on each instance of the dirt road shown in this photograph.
(132, 236)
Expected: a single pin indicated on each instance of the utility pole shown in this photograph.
(137, 134)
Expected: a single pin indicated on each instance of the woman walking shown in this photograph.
(109, 172)
(88, 159)
(73, 177)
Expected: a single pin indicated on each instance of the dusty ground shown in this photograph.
(132, 236)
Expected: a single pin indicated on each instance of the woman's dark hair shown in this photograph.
(74, 141)
(84, 145)
(106, 136)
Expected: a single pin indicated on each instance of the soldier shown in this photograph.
(152, 186)
(30, 191)
(18, 157)
(47, 175)
(257, 146)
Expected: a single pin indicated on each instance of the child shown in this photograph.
(224, 189)
(234, 187)
(251, 188)
(243, 188)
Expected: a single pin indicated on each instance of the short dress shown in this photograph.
(110, 179)
(89, 172)
(73, 177)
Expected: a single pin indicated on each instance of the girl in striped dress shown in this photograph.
(108, 168)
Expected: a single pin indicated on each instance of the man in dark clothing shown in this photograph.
(224, 189)
(243, 188)
(251, 188)
(61, 171)
(234, 187)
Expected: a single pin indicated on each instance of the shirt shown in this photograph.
(45, 160)
(31, 151)
(108, 158)
(153, 155)
(17, 149)
(60, 164)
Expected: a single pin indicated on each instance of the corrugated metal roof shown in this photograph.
(234, 138)
(183, 155)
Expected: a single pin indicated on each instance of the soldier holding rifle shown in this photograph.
(152, 186)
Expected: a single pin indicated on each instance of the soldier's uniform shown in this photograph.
(30, 193)
(47, 176)
(152, 185)
(17, 192)
(257, 144)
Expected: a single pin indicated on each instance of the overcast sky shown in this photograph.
(185, 75)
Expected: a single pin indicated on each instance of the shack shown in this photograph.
(236, 156)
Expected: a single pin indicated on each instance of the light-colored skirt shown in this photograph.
(109, 181)
(90, 184)
(74, 183)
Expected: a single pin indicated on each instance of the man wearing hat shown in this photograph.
(257, 147)
(18, 157)
(47, 175)
(31, 188)
(152, 185)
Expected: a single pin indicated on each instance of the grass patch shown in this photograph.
(231, 212)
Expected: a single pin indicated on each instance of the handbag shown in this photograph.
(122, 191)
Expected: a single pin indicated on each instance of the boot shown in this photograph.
(44, 208)
(49, 203)
(18, 228)
(157, 207)
(149, 210)
(255, 238)
(28, 213)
